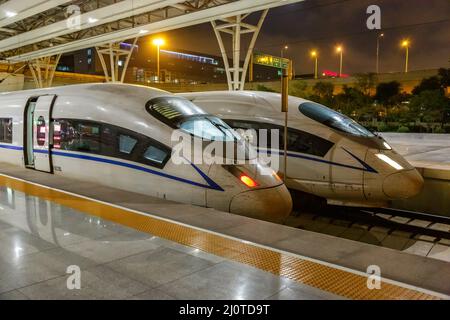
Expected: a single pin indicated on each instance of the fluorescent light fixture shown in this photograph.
(143, 31)
(10, 14)
(387, 146)
(389, 161)
(92, 20)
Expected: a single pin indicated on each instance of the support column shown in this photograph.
(236, 75)
(43, 70)
(114, 51)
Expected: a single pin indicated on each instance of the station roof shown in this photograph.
(36, 28)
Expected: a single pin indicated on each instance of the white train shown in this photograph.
(120, 136)
(329, 155)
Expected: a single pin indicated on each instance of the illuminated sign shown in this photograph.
(270, 61)
(191, 57)
(328, 73)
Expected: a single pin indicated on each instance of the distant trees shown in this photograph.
(387, 92)
(429, 100)
(386, 107)
(323, 92)
(365, 82)
(444, 76)
(431, 106)
(353, 102)
(428, 84)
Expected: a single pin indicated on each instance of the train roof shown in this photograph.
(110, 89)
(269, 100)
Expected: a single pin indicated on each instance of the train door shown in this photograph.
(37, 146)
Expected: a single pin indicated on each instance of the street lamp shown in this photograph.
(282, 56)
(283, 50)
(381, 35)
(405, 44)
(340, 50)
(158, 42)
(314, 55)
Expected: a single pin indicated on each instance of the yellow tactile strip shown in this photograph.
(327, 278)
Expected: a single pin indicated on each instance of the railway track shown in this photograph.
(415, 223)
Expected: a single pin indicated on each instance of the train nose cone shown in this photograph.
(403, 184)
(272, 204)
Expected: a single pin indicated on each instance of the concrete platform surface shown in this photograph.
(51, 234)
(39, 240)
(423, 150)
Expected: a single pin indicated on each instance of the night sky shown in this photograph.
(321, 24)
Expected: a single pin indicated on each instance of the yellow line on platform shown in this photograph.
(327, 278)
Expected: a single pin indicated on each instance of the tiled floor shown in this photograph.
(39, 240)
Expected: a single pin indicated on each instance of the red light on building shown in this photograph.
(332, 74)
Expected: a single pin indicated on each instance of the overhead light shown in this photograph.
(10, 14)
(92, 20)
(389, 161)
(143, 31)
(158, 42)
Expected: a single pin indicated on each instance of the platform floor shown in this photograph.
(39, 239)
(131, 246)
(422, 150)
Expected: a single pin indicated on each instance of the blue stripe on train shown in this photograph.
(300, 156)
(211, 184)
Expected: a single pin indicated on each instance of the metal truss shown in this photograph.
(37, 32)
(236, 27)
(113, 52)
(43, 70)
(53, 27)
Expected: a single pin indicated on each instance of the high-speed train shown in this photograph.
(329, 155)
(122, 136)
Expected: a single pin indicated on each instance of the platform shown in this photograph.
(423, 150)
(430, 154)
(130, 246)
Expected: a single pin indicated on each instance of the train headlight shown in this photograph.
(386, 145)
(389, 161)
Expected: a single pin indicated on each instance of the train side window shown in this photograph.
(79, 136)
(109, 140)
(6, 130)
(127, 144)
(298, 140)
(304, 142)
(156, 155)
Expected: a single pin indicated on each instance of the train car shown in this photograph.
(329, 155)
(121, 136)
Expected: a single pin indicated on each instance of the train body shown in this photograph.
(122, 136)
(329, 155)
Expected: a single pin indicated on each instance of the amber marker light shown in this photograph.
(249, 182)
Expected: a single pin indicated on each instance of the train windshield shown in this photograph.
(180, 113)
(334, 119)
(209, 128)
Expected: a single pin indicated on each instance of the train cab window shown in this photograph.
(171, 110)
(6, 130)
(208, 128)
(180, 113)
(334, 119)
(127, 144)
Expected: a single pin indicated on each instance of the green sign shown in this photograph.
(270, 61)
